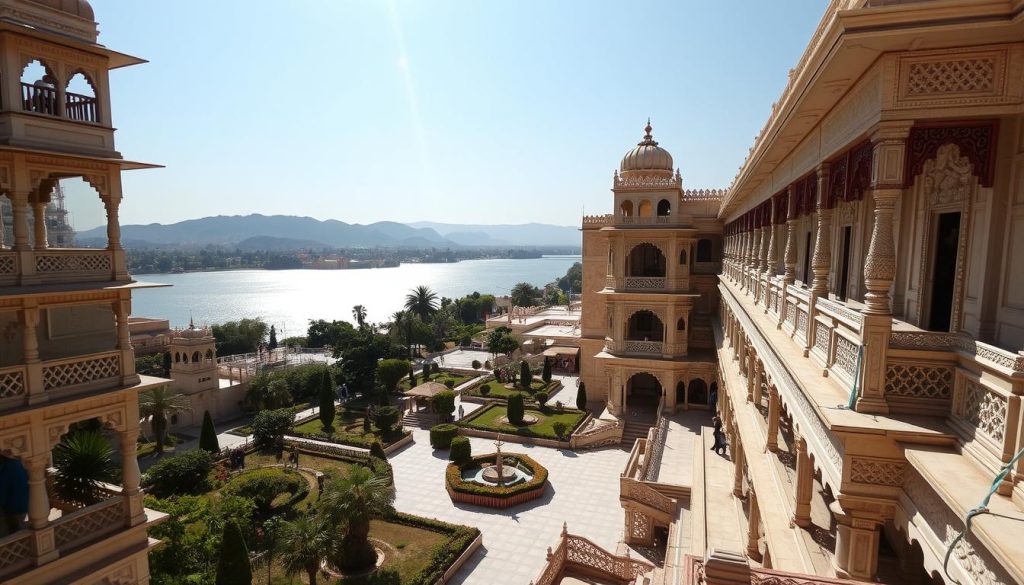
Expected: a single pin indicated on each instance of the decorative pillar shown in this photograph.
(888, 152)
(122, 311)
(19, 213)
(790, 273)
(1, 226)
(753, 526)
(773, 248)
(43, 543)
(130, 476)
(755, 259)
(804, 485)
(30, 342)
(758, 379)
(738, 461)
(822, 259)
(751, 374)
(774, 413)
(856, 555)
(39, 225)
(113, 223)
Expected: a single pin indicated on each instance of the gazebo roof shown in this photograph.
(426, 389)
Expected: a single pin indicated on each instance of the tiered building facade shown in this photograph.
(65, 353)
(868, 319)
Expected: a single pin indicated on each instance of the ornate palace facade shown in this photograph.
(65, 355)
(865, 327)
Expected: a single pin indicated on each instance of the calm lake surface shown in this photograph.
(290, 298)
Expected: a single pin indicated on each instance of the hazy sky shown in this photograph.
(473, 111)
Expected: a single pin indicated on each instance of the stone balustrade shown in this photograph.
(642, 347)
(56, 266)
(81, 372)
(574, 551)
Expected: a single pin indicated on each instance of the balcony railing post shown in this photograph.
(130, 477)
(44, 546)
(33, 366)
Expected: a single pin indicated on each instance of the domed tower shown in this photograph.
(66, 357)
(194, 371)
(639, 295)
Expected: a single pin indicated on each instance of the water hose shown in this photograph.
(856, 380)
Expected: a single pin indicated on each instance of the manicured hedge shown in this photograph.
(441, 435)
(461, 450)
(262, 486)
(446, 553)
(187, 473)
(454, 477)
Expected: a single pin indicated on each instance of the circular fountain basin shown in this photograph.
(489, 475)
(476, 482)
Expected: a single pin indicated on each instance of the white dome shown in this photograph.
(647, 155)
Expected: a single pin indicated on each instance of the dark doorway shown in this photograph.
(704, 250)
(844, 269)
(807, 261)
(947, 242)
(698, 391)
(680, 392)
(643, 393)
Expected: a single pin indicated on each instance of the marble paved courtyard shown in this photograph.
(583, 490)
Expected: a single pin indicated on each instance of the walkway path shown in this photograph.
(674, 467)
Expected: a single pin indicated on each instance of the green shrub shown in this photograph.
(559, 427)
(441, 435)
(377, 450)
(541, 397)
(443, 403)
(487, 364)
(366, 425)
(476, 364)
(515, 409)
(387, 417)
(450, 384)
(581, 397)
(461, 451)
(262, 486)
(269, 425)
(525, 376)
(233, 566)
(485, 389)
(546, 375)
(327, 409)
(183, 474)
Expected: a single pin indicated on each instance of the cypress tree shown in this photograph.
(515, 409)
(273, 338)
(412, 378)
(546, 374)
(525, 377)
(208, 435)
(327, 411)
(581, 397)
(233, 567)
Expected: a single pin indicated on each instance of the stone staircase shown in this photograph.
(419, 420)
(636, 428)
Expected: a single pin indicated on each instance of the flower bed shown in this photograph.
(346, 432)
(495, 496)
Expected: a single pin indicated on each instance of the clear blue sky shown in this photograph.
(471, 111)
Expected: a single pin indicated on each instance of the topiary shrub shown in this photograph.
(183, 474)
(377, 450)
(387, 417)
(559, 427)
(487, 365)
(515, 409)
(263, 486)
(443, 403)
(546, 375)
(476, 364)
(485, 389)
(461, 451)
(525, 376)
(233, 567)
(208, 435)
(541, 397)
(581, 397)
(270, 425)
(441, 435)
(450, 384)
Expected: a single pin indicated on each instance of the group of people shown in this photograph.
(343, 392)
(293, 454)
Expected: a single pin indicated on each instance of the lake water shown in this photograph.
(290, 298)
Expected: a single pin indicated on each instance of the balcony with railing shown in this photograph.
(57, 266)
(60, 378)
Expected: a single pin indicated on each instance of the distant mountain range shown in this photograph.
(287, 232)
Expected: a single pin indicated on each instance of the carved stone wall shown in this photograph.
(981, 408)
(877, 471)
(918, 381)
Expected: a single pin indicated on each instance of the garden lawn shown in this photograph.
(148, 448)
(348, 430)
(487, 419)
(440, 378)
(503, 391)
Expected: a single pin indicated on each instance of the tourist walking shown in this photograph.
(462, 412)
(719, 435)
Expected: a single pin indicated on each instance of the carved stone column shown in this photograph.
(804, 484)
(822, 259)
(130, 476)
(30, 343)
(773, 248)
(738, 461)
(19, 214)
(755, 262)
(39, 225)
(753, 526)
(790, 273)
(758, 379)
(856, 554)
(751, 374)
(774, 414)
(43, 543)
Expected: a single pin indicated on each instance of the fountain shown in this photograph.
(497, 480)
(498, 474)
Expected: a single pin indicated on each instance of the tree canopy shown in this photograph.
(242, 336)
(525, 294)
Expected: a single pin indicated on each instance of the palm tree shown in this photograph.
(353, 500)
(304, 543)
(158, 405)
(422, 301)
(401, 327)
(83, 459)
(359, 314)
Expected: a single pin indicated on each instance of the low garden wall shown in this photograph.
(494, 496)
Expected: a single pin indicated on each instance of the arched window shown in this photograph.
(682, 257)
(644, 210)
(680, 392)
(646, 260)
(645, 326)
(197, 357)
(681, 324)
(698, 392)
(38, 88)
(664, 208)
(177, 357)
(626, 208)
(209, 355)
(80, 99)
(704, 250)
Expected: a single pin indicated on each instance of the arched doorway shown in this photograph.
(645, 326)
(697, 392)
(645, 260)
(643, 394)
(680, 393)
